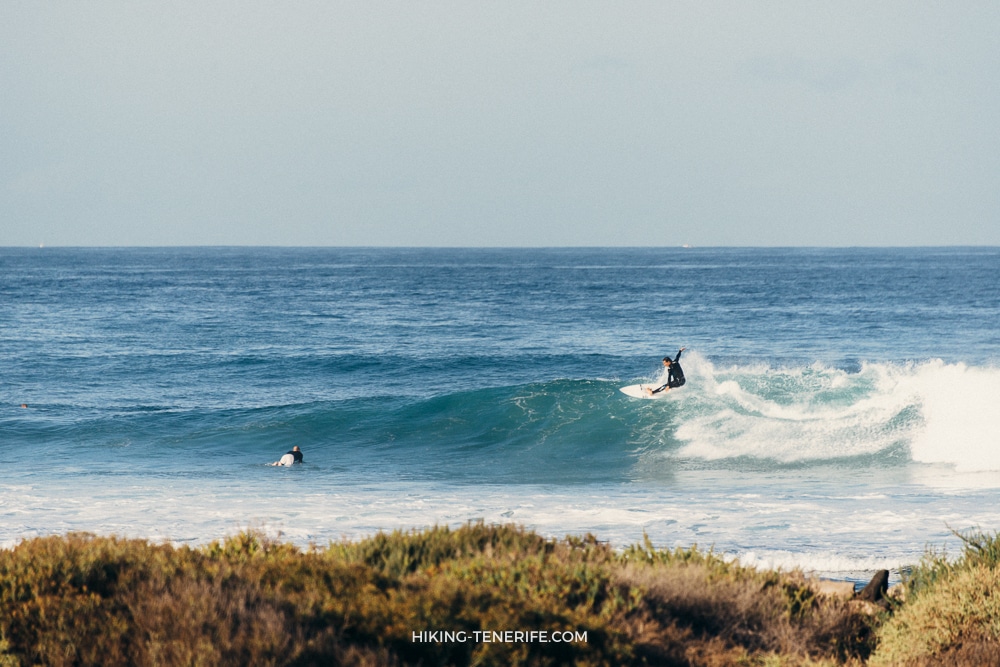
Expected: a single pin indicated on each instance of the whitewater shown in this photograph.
(839, 414)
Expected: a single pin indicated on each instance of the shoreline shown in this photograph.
(837, 538)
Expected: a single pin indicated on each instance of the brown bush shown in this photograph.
(82, 600)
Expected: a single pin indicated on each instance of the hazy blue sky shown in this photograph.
(499, 123)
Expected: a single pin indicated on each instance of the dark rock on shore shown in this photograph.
(876, 589)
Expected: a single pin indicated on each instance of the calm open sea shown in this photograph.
(841, 412)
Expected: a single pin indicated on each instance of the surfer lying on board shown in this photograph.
(675, 374)
(293, 456)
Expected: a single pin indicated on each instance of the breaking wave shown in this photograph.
(583, 430)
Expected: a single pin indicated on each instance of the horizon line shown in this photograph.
(685, 246)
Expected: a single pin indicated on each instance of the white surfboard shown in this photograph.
(639, 391)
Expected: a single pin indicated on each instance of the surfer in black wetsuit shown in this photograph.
(675, 374)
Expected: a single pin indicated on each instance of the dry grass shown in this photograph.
(699, 610)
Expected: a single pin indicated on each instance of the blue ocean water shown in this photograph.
(840, 413)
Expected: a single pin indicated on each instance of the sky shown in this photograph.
(504, 123)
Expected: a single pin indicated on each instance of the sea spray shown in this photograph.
(933, 411)
(960, 414)
(792, 414)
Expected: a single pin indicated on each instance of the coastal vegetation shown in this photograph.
(952, 613)
(475, 595)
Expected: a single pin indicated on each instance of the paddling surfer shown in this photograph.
(290, 457)
(675, 374)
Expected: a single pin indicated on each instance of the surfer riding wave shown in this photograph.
(675, 374)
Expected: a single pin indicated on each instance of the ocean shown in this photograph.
(840, 413)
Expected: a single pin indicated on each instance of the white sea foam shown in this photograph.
(941, 413)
